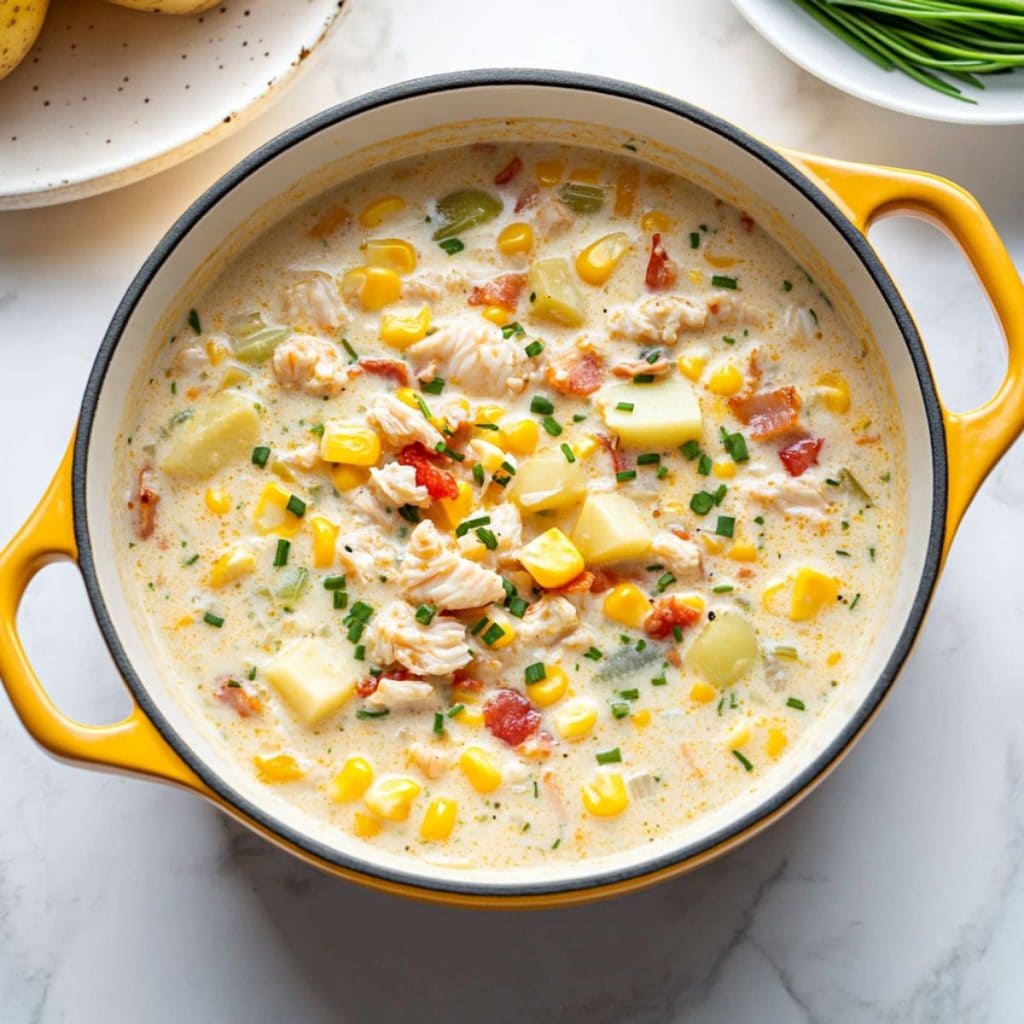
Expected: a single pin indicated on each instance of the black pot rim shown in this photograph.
(679, 857)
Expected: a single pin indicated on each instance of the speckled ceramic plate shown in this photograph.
(108, 96)
(793, 32)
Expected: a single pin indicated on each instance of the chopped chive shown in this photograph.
(704, 465)
(261, 456)
(643, 378)
(434, 387)
(690, 450)
(871, 554)
(478, 474)
(368, 713)
(593, 654)
(694, 239)
(659, 680)
(213, 620)
(193, 321)
(359, 653)
(725, 526)
(855, 601)
(438, 723)
(334, 583)
(631, 694)
(620, 709)
(296, 506)
(625, 406)
(317, 429)
(625, 475)
(662, 472)
(509, 468)
(796, 702)
(648, 459)
(478, 625)
(191, 561)
(340, 600)
(443, 449)
(493, 634)
(174, 387)
(786, 651)
(787, 286)
(665, 580)
(535, 673)
(759, 520)
(728, 340)
(361, 611)
(410, 513)
(653, 356)
(720, 492)
(517, 607)
(558, 842)
(677, 634)
(513, 328)
(613, 756)
(534, 349)
(570, 455)
(488, 539)
(355, 632)
(353, 355)
(455, 710)
(541, 405)
(281, 554)
(721, 281)
(743, 761)
(470, 524)
(425, 614)
(842, 554)
(424, 408)
(451, 245)
(701, 503)
(551, 425)
(486, 426)
(578, 417)
(723, 588)
(735, 445)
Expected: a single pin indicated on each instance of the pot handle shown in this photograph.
(131, 745)
(975, 440)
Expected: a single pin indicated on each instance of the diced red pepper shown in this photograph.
(391, 369)
(798, 456)
(509, 171)
(667, 613)
(367, 686)
(464, 679)
(144, 503)
(747, 222)
(527, 199)
(503, 291)
(577, 585)
(767, 413)
(231, 692)
(611, 446)
(661, 270)
(510, 717)
(438, 483)
(582, 377)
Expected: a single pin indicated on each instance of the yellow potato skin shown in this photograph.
(20, 24)
(168, 6)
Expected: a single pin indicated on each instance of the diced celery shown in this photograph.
(245, 325)
(582, 198)
(292, 586)
(464, 209)
(259, 347)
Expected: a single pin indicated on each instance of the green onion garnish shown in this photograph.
(855, 601)
(340, 600)
(513, 328)
(478, 474)
(704, 465)
(410, 513)
(425, 614)
(725, 526)
(334, 583)
(451, 245)
(720, 492)
(648, 459)
(631, 694)
(665, 580)
(493, 634)
(535, 673)
(662, 472)
(213, 620)
(796, 702)
(625, 475)
(434, 387)
(260, 456)
(369, 713)
(281, 554)
(296, 506)
(690, 450)
(620, 709)
(487, 538)
(353, 355)
(701, 503)
(551, 425)
(593, 654)
(438, 723)
(567, 451)
(625, 406)
(721, 281)
(455, 710)
(517, 607)
(470, 524)
(694, 240)
(359, 653)
(659, 680)
(743, 761)
(534, 349)
(193, 321)
(723, 588)
(191, 561)
(540, 405)
(613, 756)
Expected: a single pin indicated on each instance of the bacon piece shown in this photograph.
(798, 456)
(611, 446)
(667, 613)
(767, 413)
(390, 369)
(641, 368)
(509, 171)
(604, 579)
(747, 222)
(510, 717)
(231, 692)
(527, 199)
(438, 483)
(661, 270)
(577, 585)
(536, 748)
(580, 378)
(462, 679)
(867, 439)
(367, 686)
(503, 291)
(144, 503)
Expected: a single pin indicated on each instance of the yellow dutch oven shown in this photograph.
(820, 209)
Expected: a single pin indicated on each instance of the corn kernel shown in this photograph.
(720, 262)
(479, 768)
(641, 719)
(496, 314)
(373, 214)
(550, 689)
(508, 631)
(454, 510)
(522, 437)
(606, 795)
(489, 455)
(812, 591)
(347, 478)
(627, 603)
(739, 736)
(724, 469)
(391, 797)
(230, 566)
(373, 287)
(403, 331)
(549, 172)
(349, 443)
(834, 391)
(365, 826)
(833, 659)
(726, 380)
(551, 559)
(393, 253)
(282, 471)
(515, 238)
(488, 413)
(352, 781)
(325, 537)
(217, 501)
(655, 220)
(742, 551)
(439, 819)
(215, 352)
(473, 718)
(575, 718)
(703, 693)
(695, 276)
(233, 375)
(694, 601)
(271, 514)
(584, 447)
(596, 263)
(768, 596)
(691, 366)
(776, 743)
(460, 695)
(714, 545)
(278, 768)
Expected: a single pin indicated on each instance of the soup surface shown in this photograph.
(511, 505)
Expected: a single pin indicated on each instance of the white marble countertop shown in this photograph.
(895, 892)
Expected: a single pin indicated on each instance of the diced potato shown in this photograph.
(726, 649)
(610, 529)
(224, 429)
(553, 293)
(547, 481)
(313, 677)
(660, 415)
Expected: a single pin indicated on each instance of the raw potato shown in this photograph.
(610, 529)
(726, 649)
(547, 481)
(664, 414)
(315, 679)
(20, 24)
(553, 293)
(223, 430)
(168, 6)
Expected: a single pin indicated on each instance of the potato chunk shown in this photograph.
(660, 415)
(726, 649)
(610, 529)
(553, 293)
(547, 482)
(222, 430)
(313, 677)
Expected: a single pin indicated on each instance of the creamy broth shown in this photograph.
(511, 505)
